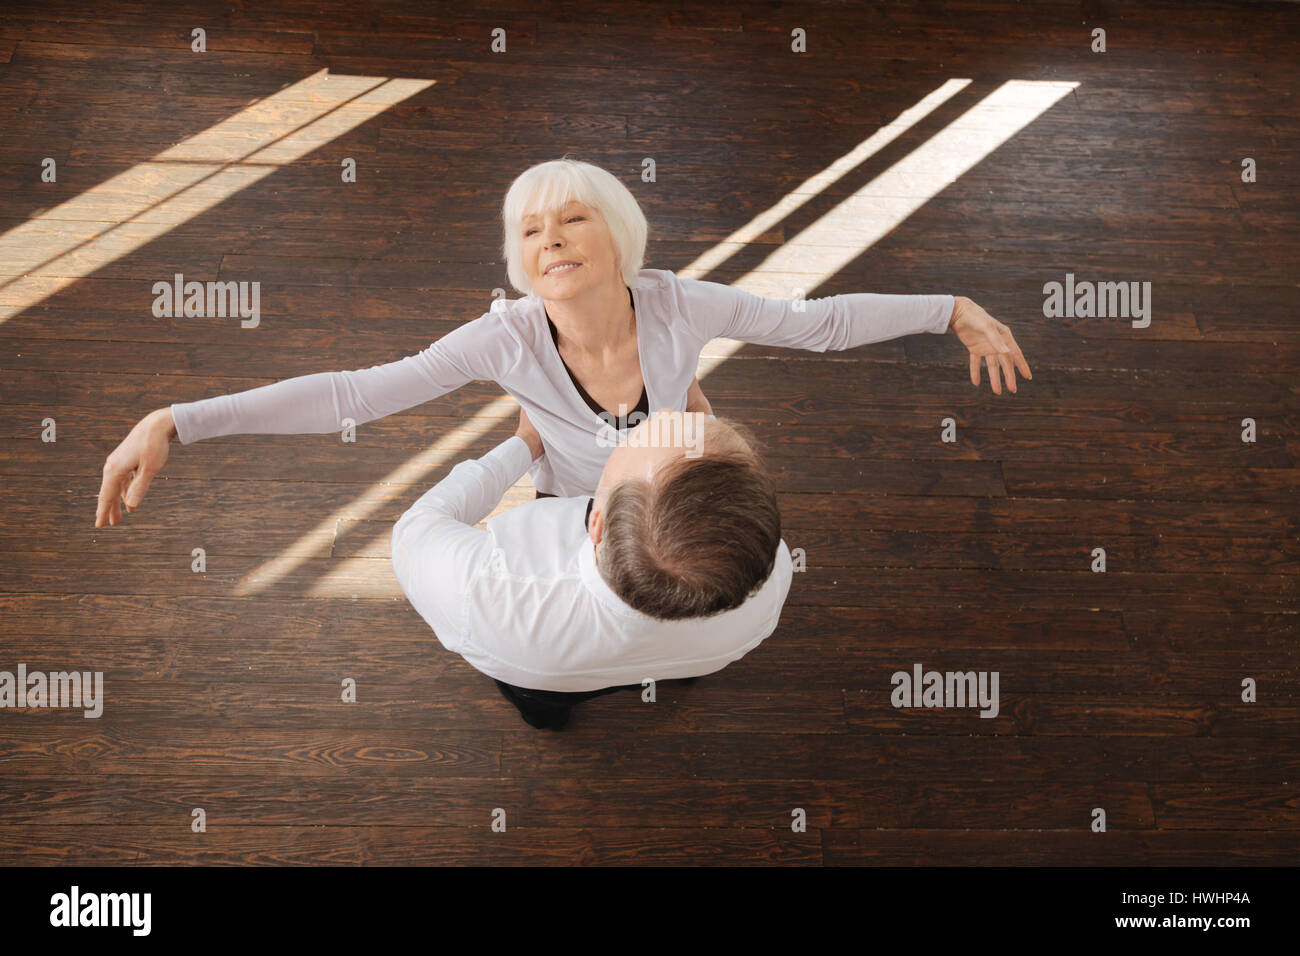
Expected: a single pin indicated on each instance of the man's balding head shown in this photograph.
(685, 518)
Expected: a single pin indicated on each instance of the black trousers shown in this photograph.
(551, 709)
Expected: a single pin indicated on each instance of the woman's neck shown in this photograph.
(595, 325)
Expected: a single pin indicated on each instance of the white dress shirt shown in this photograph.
(512, 346)
(524, 602)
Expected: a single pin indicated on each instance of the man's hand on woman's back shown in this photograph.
(528, 433)
(696, 400)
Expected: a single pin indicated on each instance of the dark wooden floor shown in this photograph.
(1119, 690)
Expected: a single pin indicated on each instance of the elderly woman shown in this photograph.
(594, 345)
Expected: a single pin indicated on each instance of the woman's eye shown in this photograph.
(570, 219)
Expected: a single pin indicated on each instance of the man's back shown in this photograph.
(542, 608)
(525, 603)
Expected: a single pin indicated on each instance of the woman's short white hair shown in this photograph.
(550, 185)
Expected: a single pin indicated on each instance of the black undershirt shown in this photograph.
(643, 406)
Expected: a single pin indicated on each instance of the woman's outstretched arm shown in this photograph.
(845, 321)
(833, 322)
(307, 404)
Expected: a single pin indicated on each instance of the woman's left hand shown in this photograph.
(990, 340)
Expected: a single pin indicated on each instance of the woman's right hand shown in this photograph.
(132, 465)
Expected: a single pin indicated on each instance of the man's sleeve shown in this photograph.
(835, 322)
(437, 551)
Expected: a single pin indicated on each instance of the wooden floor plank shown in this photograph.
(260, 800)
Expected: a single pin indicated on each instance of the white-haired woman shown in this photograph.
(594, 345)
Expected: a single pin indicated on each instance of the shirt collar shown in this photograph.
(590, 575)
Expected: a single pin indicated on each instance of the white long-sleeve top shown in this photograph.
(512, 346)
(523, 601)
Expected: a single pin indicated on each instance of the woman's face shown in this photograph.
(575, 234)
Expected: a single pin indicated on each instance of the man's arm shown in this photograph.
(437, 551)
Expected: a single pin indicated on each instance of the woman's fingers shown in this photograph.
(994, 378)
(135, 490)
(1008, 371)
(109, 513)
(121, 486)
(1017, 355)
(1001, 351)
(123, 482)
(108, 495)
(1001, 354)
(101, 510)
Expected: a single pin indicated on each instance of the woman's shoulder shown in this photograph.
(650, 281)
(497, 341)
(678, 289)
(677, 301)
(508, 319)
(661, 293)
